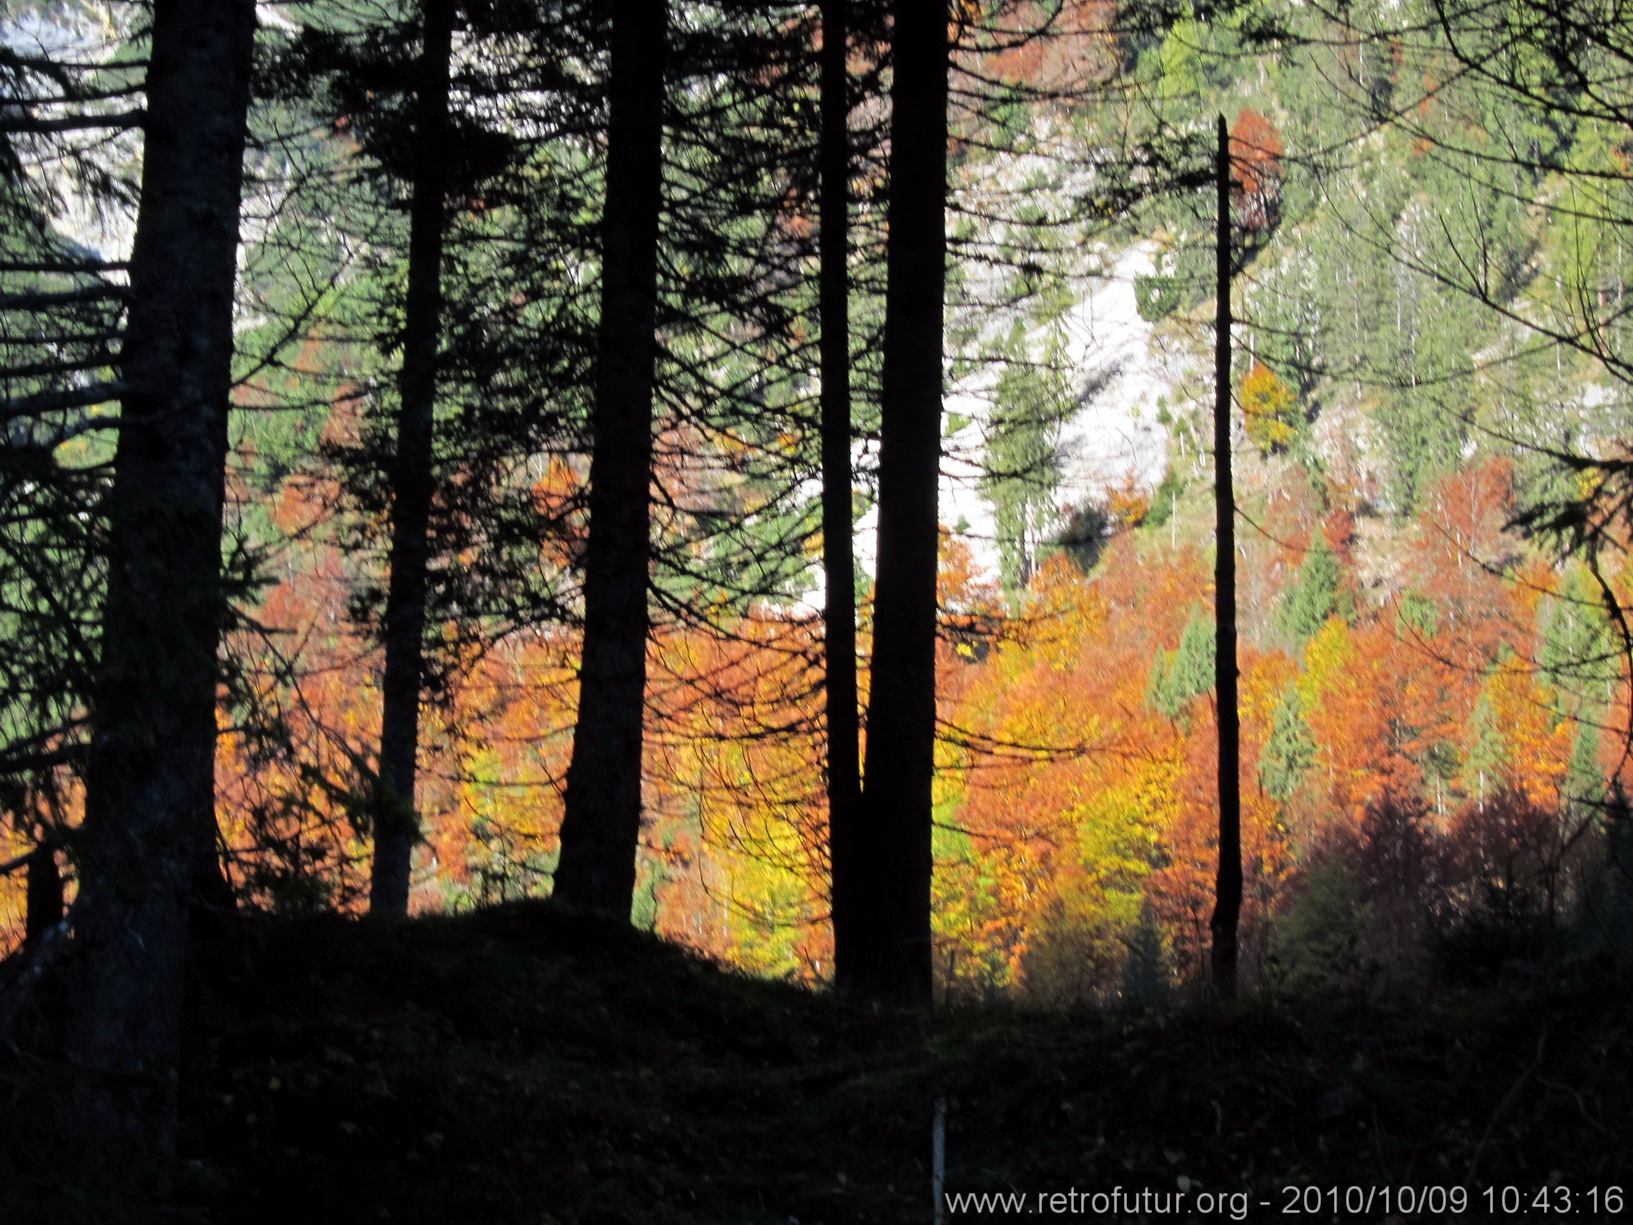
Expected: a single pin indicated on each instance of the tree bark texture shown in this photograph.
(600, 829)
(396, 818)
(149, 770)
(888, 952)
(1228, 887)
(838, 562)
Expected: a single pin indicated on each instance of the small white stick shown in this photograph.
(938, 1157)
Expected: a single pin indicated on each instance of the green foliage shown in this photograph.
(1579, 655)
(1425, 437)
(1282, 298)
(1320, 947)
(1584, 785)
(1184, 272)
(1289, 751)
(1419, 615)
(1485, 755)
(1313, 596)
(1185, 672)
(1147, 978)
(1157, 296)
(502, 867)
(1022, 470)
(60, 321)
(1164, 499)
(1180, 61)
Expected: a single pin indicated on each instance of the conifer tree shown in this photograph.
(149, 776)
(885, 957)
(601, 824)
(396, 821)
(1313, 595)
(61, 315)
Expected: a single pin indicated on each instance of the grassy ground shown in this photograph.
(520, 1065)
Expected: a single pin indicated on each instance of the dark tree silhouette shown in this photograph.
(396, 822)
(601, 823)
(1228, 889)
(150, 765)
(44, 893)
(882, 945)
(839, 606)
(61, 316)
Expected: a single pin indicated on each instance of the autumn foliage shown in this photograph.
(1076, 794)
(1270, 407)
(1256, 150)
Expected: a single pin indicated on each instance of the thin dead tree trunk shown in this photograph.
(1228, 887)
(838, 561)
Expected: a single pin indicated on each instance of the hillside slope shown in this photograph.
(520, 1064)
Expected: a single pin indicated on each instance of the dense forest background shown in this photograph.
(1430, 208)
(1431, 405)
(1110, 518)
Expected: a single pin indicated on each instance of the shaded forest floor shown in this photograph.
(521, 1065)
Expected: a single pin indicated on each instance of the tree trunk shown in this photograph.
(839, 566)
(600, 829)
(213, 903)
(888, 950)
(43, 893)
(396, 818)
(1228, 888)
(149, 770)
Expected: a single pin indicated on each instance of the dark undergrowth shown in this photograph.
(523, 1065)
